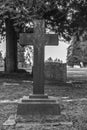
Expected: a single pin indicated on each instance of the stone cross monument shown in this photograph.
(38, 39)
(38, 102)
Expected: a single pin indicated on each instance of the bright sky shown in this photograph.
(59, 51)
(3, 48)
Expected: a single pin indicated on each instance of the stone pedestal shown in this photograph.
(38, 104)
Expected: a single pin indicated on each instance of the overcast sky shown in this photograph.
(59, 51)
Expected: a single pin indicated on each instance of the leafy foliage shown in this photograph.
(66, 17)
(79, 17)
(58, 60)
(1, 57)
(25, 55)
(77, 51)
(49, 59)
(61, 16)
(29, 55)
(21, 58)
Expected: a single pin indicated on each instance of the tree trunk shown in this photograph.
(11, 47)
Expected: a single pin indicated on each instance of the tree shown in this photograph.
(29, 55)
(14, 17)
(1, 59)
(57, 60)
(61, 16)
(49, 59)
(79, 17)
(11, 47)
(21, 58)
(77, 51)
(57, 14)
(74, 53)
(85, 57)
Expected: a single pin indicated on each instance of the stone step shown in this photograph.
(36, 96)
(39, 101)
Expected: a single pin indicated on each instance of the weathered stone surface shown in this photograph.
(35, 96)
(38, 72)
(38, 39)
(11, 47)
(38, 106)
(26, 39)
(55, 72)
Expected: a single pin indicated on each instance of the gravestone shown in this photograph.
(55, 72)
(38, 103)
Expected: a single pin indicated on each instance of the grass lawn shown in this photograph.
(72, 97)
(77, 74)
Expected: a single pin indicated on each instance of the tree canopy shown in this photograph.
(62, 16)
(77, 51)
(1, 57)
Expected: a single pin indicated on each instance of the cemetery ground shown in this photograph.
(72, 97)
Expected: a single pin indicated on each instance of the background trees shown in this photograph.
(58, 15)
(1, 59)
(64, 17)
(29, 55)
(67, 18)
(21, 59)
(77, 51)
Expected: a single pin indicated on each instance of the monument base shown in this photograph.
(38, 104)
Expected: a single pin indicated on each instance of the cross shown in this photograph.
(38, 39)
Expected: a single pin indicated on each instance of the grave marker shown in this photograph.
(38, 39)
(38, 103)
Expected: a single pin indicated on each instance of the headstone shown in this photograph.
(38, 102)
(55, 72)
